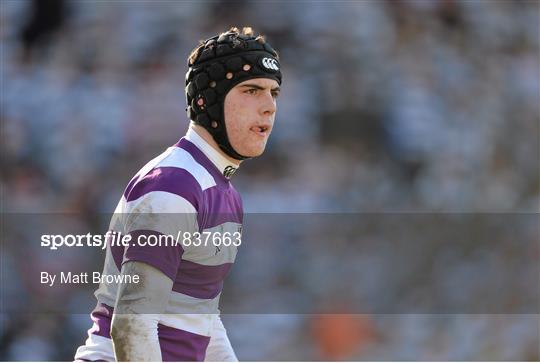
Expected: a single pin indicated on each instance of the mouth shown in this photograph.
(261, 130)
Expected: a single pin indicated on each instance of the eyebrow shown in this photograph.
(256, 86)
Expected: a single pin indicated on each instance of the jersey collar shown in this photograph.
(226, 167)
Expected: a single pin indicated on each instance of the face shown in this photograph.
(250, 108)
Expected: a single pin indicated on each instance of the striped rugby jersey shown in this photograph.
(183, 189)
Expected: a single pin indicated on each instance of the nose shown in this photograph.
(268, 104)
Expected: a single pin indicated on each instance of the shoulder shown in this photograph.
(171, 178)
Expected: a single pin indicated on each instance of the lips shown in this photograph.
(261, 130)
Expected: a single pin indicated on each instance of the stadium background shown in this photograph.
(386, 106)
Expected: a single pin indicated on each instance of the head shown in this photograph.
(231, 89)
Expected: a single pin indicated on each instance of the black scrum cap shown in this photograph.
(221, 63)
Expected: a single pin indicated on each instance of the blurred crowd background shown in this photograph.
(411, 106)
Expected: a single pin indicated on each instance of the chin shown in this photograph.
(254, 152)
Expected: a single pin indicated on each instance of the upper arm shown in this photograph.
(161, 216)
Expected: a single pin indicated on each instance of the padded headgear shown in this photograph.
(221, 63)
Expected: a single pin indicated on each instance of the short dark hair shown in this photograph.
(246, 31)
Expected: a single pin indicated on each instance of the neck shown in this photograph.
(205, 135)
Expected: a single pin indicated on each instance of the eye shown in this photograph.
(275, 94)
(251, 91)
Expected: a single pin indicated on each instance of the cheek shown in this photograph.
(236, 117)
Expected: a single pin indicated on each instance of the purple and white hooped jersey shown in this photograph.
(182, 190)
